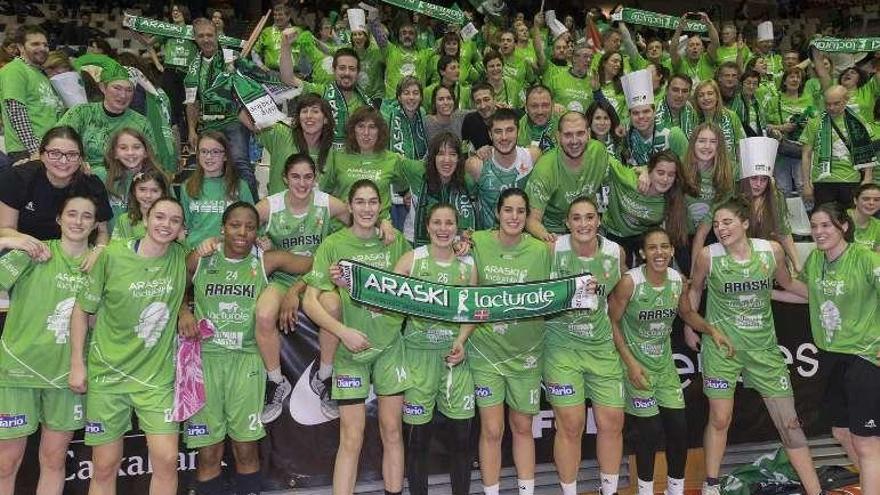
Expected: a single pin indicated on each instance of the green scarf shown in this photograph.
(336, 98)
(685, 120)
(744, 110)
(406, 136)
(653, 19)
(458, 197)
(847, 45)
(169, 30)
(452, 16)
(457, 304)
(540, 135)
(861, 150)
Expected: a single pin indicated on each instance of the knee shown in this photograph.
(391, 434)
(610, 421)
(866, 447)
(492, 433)
(570, 428)
(720, 420)
(842, 435)
(164, 462)
(521, 425)
(104, 470)
(351, 439)
(9, 465)
(53, 459)
(211, 455)
(247, 456)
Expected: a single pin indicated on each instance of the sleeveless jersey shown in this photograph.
(297, 234)
(647, 321)
(494, 180)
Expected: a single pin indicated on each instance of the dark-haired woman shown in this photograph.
(787, 115)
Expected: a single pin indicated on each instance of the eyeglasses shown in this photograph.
(214, 152)
(57, 155)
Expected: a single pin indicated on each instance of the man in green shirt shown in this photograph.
(30, 105)
(403, 58)
(645, 137)
(698, 63)
(537, 128)
(450, 77)
(572, 86)
(515, 65)
(267, 49)
(675, 110)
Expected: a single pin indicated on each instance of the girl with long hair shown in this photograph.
(145, 189)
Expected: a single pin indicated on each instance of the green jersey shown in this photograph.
(584, 329)
(382, 328)
(204, 214)
(178, 53)
(372, 68)
(218, 105)
(843, 295)
(278, 141)
(869, 235)
(553, 186)
(29, 86)
(494, 179)
(738, 300)
(518, 68)
(784, 109)
(321, 63)
(630, 212)
(572, 92)
(841, 167)
(422, 333)
(685, 119)
(511, 93)
(647, 321)
(35, 345)
(136, 300)
(538, 136)
(97, 127)
(732, 129)
(728, 54)
(384, 168)
(700, 70)
(700, 207)
(117, 193)
(123, 228)
(268, 46)
(225, 291)
(511, 347)
(401, 62)
(662, 138)
(341, 105)
(298, 234)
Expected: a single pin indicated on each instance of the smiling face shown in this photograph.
(411, 98)
(77, 220)
(442, 227)
(312, 119)
(300, 180)
(146, 193)
(583, 221)
(728, 227)
(450, 73)
(35, 49)
(345, 71)
(662, 176)
(484, 102)
(793, 81)
(573, 136)
(164, 222)
(443, 101)
(601, 124)
(367, 134)
(827, 236)
(62, 158)
(212, 157)
(658, 251)
(868, 202)
(118, 95)
(130, 151)
(494, 69)
(539, 105)
(707, 98)
(239, 232)
(642, 117)
(364, 207)
(507, 44)
(503, 135)
(706, 145)
(512, 215)
(446, 161)
(613, 65)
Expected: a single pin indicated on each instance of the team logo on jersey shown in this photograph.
(151, 323)
(59, 321)
(196, 430)
(716, 383)
(94, 427)
(13, 420)
(644, 403)
(411, 409)
(348, 381)
(481, 391)
(560, 389)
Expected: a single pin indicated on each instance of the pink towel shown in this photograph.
(189, 386)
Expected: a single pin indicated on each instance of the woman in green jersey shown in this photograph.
(434, 359)
(506, 357)
(580, 361)
(406, 120)
(787, 115)
(739, 273)
(609, 71)
(135, 290)
(310, 131)
(128, 153)
(603, 122)
(145, 188)
(707, 102)
(226, 285)
(372, 350)
(213, 186)
(642, 308)
(866, 227)
(841, 282)
(34, 348)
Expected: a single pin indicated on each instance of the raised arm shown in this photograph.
(714, 41)
(285, 61)
(673, 43)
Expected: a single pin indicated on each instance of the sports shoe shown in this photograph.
(322, 389)
(275, 395)
(710, 489)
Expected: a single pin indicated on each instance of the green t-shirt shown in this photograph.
(630, 212)
(494, 179)
(268, 46)
(96, 127)
(843, 295)
(518, 68)
(647, 321)
(29, 86)
(278, 141)
(662, 138)
(385, 169)
(400, 62)
(728, 54)
(204, 214)
(461, 94)
(511, 93)
(340, 106)
(574, 93)
(701, 70)
(178, 53)
(225, 291)
(552, 186)
(372, 68)
(136, 300)
(321, 63)
(511, 347)
(35, 345)
(423, 333)
(738, 301)
(784, 109)
(119, 196)
(869, 235)
(123, 229)
(841, 168)
(584, 329)
(298, 234)
(382, 328)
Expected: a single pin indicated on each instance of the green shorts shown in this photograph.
(433, 382)
(25, 409)
(521, 392)
(572, 375)
(235, 383)
(663, 391)
(763, 370)
(108, 414)
(385, 371)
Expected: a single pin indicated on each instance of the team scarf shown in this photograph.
(407, 136)
(452, 16)
(847, 45)
(458, 197)
(168, 30)
(639, 150)
(462, 304)
(339, 107)
(656, 20)
(858, 142)
(686, 117)
(744, 110)
(536, 135)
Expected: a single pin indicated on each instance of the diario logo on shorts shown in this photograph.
(481, 391)
(94, 427)
(12, 420)
(348, 381)
(411, 409)
(716, 383)
(560, 389)
(644, 403)
(196, 430)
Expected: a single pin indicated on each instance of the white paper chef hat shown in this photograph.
(757, 156)
(765, 31)
(557, 28)
(638, 88)
(357, 20)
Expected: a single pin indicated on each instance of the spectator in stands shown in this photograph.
(475, 127)
(8, 51)
(30, 105)
(219, 23)
(267, 49)
(444, 117)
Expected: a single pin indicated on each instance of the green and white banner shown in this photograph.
(451, 16)
(847, 45)
(258, 102)
(462, 304)
(654, 19)
(169, 30)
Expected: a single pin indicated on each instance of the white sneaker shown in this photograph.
(275, 395)
(710, 489)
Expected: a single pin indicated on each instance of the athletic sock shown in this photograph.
(646, 487)
(275, 375)
(325, 371)
(213, 486)
(674, 486)
(569, 488)
(609, 483)
(491, 490)
(526, 487)
(248, 484)
(712, 481)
